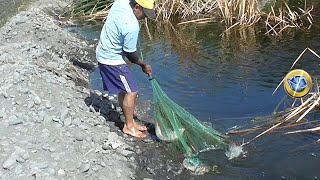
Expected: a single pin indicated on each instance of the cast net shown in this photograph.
(175, 125)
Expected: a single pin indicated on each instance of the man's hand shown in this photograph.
(146, 68)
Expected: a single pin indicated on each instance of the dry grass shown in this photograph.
(168, 8)
(234, 13)
(285, 18)
(242, 12)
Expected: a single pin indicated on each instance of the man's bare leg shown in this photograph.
(121, 101)
(128, 105)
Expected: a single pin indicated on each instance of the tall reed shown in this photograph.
(284, 18)
(242, 12)
(233, 13)
(91, 9)
(167, 8)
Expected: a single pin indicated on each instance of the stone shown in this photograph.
(13, 120)
(84, 167)
(61, 172)
(37, 100)
(9, 162)
(67, 121)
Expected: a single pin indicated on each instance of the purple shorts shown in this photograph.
(117, 79)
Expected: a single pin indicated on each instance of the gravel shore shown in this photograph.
(51, 127)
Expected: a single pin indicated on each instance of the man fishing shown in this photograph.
(118, 41)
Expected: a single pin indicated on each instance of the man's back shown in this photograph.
(119, 33)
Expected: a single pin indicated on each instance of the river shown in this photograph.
(228, 80)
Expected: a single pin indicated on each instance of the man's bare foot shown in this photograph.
(140, 127)
(133, 132)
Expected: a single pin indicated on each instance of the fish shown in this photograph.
(234, 151)
(194, 165)
(170, 136)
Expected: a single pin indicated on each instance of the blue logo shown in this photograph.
(298, 83)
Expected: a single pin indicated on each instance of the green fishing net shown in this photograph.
(180, 129)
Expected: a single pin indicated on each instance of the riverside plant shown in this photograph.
(233, 13)
(242, 12)
(90, 9)
(285, 18)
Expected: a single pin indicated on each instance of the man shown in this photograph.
(118, 40)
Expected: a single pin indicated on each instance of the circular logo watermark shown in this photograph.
(297, 83)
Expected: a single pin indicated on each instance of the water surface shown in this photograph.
(227, 80)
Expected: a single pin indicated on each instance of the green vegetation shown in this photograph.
(276, 15)
(90, 10)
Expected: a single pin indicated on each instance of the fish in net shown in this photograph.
(175, 125)
(182, 131)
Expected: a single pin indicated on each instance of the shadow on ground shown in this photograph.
(108, 107)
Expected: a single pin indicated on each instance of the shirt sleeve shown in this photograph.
(130, 41)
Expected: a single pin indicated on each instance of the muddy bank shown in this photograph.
(51, 125)
(9, 8)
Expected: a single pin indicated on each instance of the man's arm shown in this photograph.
(134, 58)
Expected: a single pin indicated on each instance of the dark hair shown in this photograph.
(132, 3)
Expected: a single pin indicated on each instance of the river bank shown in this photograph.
(51, 125)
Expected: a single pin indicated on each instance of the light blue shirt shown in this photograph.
(119, 33)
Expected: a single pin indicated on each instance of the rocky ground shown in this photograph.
(51, 125)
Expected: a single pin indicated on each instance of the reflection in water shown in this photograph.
(233, 76)
(226, 78)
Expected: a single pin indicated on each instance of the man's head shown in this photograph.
(143, 8)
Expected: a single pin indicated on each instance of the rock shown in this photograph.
(30, 104)
(61, 172)
(48, 104)
(2, 113)
(37, 100)
(84, 167)
(20, 159)
(52, 149)
(115, 145)
(150, 170)
(24, 90)
(125, 153)
(103, 164)
(76, 122)
(79, 137)
(96, 139)
(62, 80)
(9, 162)
(67, 121)
(13, 120)
(88, 139)
(114, 140)
(64, 113)
(47, 119)
(5, 94)
(105, 146)
(42, 165)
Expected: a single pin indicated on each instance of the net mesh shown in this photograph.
(175, 125)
